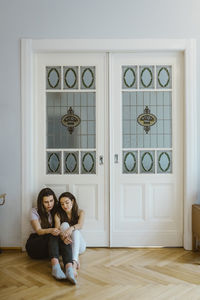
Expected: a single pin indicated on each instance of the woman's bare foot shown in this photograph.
(76, 266)
(75, 271)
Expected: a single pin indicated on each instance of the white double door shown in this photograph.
(122, 162)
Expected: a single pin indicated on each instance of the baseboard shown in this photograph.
(11, 249)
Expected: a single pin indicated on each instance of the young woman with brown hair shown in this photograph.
(69, 220)
(45, 240)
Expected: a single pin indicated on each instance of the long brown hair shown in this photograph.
(62, 214)
(41, 210)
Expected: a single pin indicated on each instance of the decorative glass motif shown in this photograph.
(54, 162)
(70, 76)
(163, 77)
(160, 105)
(53, 77)
(129, 77)
(70, 120)
(146, 119)
(84, 107)
(71, 162)
(164, 161)
(88, 162)
(147, 162)
(130, 162)
(146, 77)
(87, 77)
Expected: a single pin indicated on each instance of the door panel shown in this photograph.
(146, 137)
(71, 118)
(146, 129)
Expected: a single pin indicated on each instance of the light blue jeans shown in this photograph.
(78, 242)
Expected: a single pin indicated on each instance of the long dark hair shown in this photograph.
(41, 210)
(62, 214)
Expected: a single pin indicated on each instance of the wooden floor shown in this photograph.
(170, 273)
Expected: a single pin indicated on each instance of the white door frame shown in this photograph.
(188, 46)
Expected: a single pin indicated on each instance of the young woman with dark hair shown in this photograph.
(69, 220)
(45, 240)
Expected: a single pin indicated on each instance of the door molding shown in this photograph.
(29, 47)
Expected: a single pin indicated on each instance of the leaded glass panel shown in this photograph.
(71, 119)
(69, 106)
(130, 162)
(53, 77)
(70, 77)
(147, 119)
(129, 74)
(54, 162)
(71, 162)
(147, 77)
(147, 161)
(164, 161)
(88, 162)
(163, 77)
(88, 77)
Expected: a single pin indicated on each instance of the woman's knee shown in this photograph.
(64, 226)
(76, 232)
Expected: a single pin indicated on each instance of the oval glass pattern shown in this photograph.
(71, 162)
(70, 78)
(129, 77)
(163, 77)
(164, 161)
(53, 78)
(147, 162)
(87, 78)
(146, 77)
(129, 162)
(88, 162)
(53, 162)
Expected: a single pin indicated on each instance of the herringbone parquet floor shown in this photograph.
(168, 273)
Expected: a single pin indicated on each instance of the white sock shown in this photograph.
(70, 275)
(57, 272)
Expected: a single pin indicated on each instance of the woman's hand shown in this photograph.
(67, 240)
(66, 235)
(69, 231)
(55, 231)
(62, 236)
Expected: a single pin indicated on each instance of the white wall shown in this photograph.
(70, 19)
